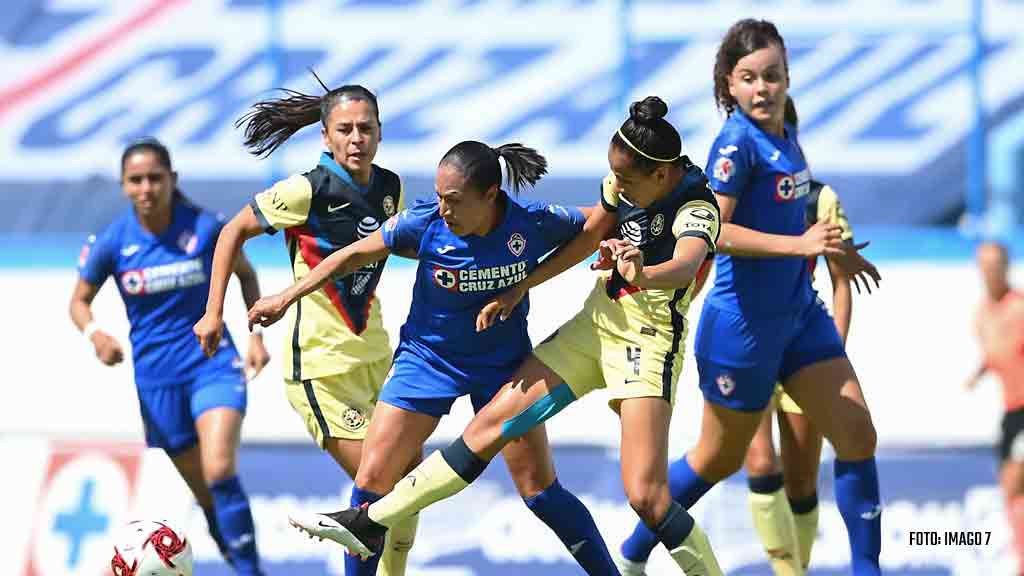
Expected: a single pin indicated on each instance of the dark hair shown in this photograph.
(152, 145)
(647, 131)
(269, 123)
(790, 115)
(743, 38)
(478, 162)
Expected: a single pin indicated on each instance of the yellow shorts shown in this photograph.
(630, 364)
(339, 405)
(784, 402)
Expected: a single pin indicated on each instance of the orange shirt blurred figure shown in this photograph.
(1000, 326)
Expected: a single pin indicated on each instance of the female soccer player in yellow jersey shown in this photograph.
(784, 501)
(336, 353)
(627, 338)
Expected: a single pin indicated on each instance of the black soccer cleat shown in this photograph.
(352, 528)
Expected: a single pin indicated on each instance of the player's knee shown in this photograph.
(376, 475)
(645, 498)
(218, 468)
(759, 462)
(855, 438)
(801, 486)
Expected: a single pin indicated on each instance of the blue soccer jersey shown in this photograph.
(459, 275)
(164, 281)
(770, 180)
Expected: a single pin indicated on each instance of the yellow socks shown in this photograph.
(695, 556)
(773, 521)
(805, 515)
(396, 547)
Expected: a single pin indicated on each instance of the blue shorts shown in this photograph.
(169, 412)
(423, 383)
(741, 359)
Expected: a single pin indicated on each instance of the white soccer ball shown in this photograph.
(151, 548)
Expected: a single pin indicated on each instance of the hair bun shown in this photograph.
(648, 110)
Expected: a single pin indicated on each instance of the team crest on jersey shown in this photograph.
(133, 282)
(516, 243)
(725, 384)
(388, 204)
(353, 419)
(792, 186)
(446, 279)
(188, 241)
(724, 168)
(658, 225)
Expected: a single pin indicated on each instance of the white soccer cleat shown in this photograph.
(628, 567)
(349, 528)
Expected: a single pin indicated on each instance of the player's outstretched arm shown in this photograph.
(243, 226)
(107, 348)
(340, 264)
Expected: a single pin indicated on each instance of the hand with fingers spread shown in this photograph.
(500, 308)
(857, 267)
(268, 310)
(629, 260)
(209, 330)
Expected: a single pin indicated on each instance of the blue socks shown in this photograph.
(686, 488)
(211, 523)
(856, 488)
(234, 522)
(353, 565)
(572, 523)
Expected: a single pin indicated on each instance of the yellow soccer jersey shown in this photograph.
(689, 210)
(338, 327)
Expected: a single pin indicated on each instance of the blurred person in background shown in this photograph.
(160, 253)
(1000, 327)
(472, 241)
(336, 351)
(762, 322)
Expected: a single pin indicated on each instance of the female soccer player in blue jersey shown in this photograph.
(160, 253)
(336, 352)
(762, 322)
(473, 242)
(627, 338)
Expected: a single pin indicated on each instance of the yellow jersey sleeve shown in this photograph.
(610, 192)
(698, 218)
(831, 211)
(284, 204)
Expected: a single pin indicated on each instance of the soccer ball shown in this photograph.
(151, 548)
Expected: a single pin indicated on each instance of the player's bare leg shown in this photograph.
(1011, 479)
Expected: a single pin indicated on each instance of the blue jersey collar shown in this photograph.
(327, 161)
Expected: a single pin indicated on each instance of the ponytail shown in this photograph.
(478, 163)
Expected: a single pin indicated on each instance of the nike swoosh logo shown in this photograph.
(576, 547)
(446, 249)
(873, 513)
(322, 525)
(338, 207)
(775, 156)
(628, 381)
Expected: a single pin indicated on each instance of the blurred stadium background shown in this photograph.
(912, 109)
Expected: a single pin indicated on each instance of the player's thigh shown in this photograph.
(346, 453)
(572, 353)
(529, 462)
(725, 435)
(831, 396)
(800, 444)
(637, 365)
(761, 459)
(533, 394)
(395, 439)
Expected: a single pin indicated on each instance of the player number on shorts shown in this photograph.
(633, 355)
